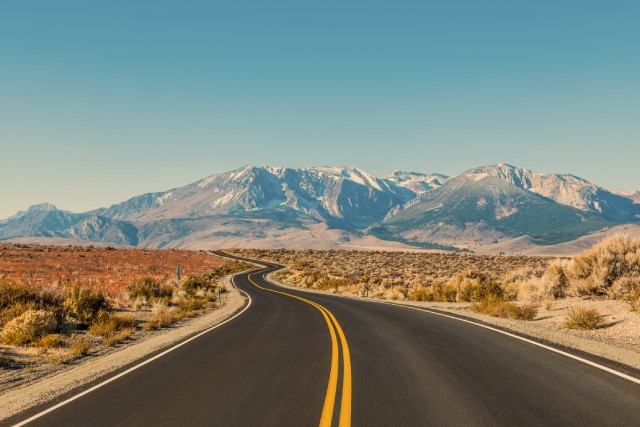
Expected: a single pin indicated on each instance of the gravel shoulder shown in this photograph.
(33, 388)
(618, 340)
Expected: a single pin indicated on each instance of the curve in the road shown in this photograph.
(333, 325)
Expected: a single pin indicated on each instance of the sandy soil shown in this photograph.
(618, 340)
(32, 388)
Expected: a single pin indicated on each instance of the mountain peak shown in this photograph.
(42, 207)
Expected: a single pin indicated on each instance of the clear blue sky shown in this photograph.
(104, 100)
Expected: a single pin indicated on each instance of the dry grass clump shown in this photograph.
(505, 309)
(80, 346)
(584, 318)
(114, 329)
(148, 289)
(163, 317)
(50, 341)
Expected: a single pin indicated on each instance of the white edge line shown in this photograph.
(139, 365)
(555, 350)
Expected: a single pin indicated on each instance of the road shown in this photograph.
(300, 359)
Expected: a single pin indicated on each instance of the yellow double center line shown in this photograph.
(332, 387)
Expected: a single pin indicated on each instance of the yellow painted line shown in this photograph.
(345, 405)
(332, 386)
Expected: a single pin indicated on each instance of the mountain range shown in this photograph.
(344, 207)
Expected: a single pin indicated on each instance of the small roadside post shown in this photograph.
(179, 272)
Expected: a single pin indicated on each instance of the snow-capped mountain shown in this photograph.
(479, 207)
(417, 182)
(568, 190)
(344, 197)
(274, 206)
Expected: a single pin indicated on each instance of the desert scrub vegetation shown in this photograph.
(70, 315)
(584, 318)
(439, 277)
(505, 309)
(507, 286)
(114, 329)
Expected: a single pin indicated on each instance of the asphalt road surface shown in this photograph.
(301, 359)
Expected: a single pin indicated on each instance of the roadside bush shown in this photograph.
(85, 305)
(149, 290)
(108, 326)
(16, 299)
(191, 304)
(626, 288)
(504, 309)
(29, 327)
(163, 316)
(420, 293)
(80, 346)
(49, 341)
(113, 329)
(192, 284)
(595, 270)
(584, 318)
(12, 294)
(556, 279)
(480, 290)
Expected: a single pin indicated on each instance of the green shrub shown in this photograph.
(28, 327)
(85, 305)
(584, 318)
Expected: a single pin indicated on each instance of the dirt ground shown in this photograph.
(108, 269)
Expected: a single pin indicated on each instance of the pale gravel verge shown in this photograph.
(619, 342)
(19, 399)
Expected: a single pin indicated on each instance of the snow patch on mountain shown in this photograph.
(417, 182)
(565, 189)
